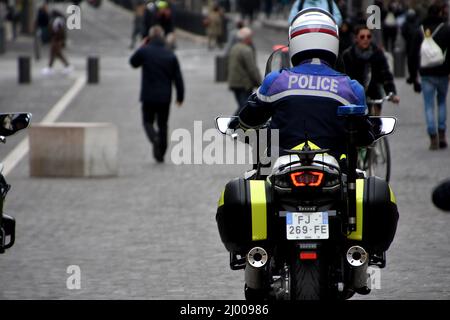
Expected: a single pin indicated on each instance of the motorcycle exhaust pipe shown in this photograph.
(358, 258)
(254, 270)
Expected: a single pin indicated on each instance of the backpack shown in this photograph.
(302, 3)
(431, 54)
(390, 20)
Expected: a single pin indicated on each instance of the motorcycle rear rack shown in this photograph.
(237, 261)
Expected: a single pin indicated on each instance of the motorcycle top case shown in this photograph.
(243, 213)
(376, 214)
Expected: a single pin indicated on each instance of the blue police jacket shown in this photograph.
(302, 103)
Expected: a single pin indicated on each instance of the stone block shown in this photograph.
(73, 150)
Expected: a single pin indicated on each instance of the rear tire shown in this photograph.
(254, 294)
(308, 280)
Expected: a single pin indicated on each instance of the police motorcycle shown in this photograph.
(310, 229)
(10, 123)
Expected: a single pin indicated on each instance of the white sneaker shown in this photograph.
(47, 71)
(68, 69)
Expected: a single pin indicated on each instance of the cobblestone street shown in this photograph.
(150, 233)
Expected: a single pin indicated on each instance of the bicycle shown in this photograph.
(376, 159)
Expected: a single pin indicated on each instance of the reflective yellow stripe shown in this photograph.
(343, 156)
(393, 199)
(311, 145)
(357, 235)
(259, 209)
(222, 199)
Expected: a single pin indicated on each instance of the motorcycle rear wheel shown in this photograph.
(308, 280)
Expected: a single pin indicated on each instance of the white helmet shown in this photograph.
(313, 33)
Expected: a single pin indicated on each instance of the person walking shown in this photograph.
(214, 27)
(42, 23)
(57, 43)
(165, 19)
(138, 22)
(232, 39)
(434, 77)
(408, 30)
(160, 70)
(243, 73)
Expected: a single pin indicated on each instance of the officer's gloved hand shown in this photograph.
(234, 124)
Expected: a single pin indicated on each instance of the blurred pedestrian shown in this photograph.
(434, 78)
(441, 195)
(214, 27)
(390, 29)
(233, 39)
(282, 8)
(243, 72)
(268, 7)
(57, 42)
(42, 23)
(346, 36)
(165, 19)
(149, 17)
(13, 15)
(367, 64)
(138, 21)
(160, 70)
(328, 5)
(247, 10)
(408, 31)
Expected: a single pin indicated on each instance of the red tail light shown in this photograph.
(308, 255)
(307, 178)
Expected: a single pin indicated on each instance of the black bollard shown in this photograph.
(2, 39)
(93, 70)
(221, 68)
(24, 69)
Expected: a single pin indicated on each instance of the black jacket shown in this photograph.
(375, 65)
(160, 68)
(442, 38)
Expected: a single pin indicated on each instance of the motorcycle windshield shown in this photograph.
(279, 59)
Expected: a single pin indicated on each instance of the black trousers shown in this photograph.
(158, 112)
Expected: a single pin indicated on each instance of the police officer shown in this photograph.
(303, 101)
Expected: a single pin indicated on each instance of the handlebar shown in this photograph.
(382, 100)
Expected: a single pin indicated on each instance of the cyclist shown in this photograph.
(302, 101)
(365, 62)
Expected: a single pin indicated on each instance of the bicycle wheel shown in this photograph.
(378, 159)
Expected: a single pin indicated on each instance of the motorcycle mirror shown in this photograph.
(279, 59)
(383, 126)
(10, 123)
(222, 123)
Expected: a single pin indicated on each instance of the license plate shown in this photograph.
(307, 225)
